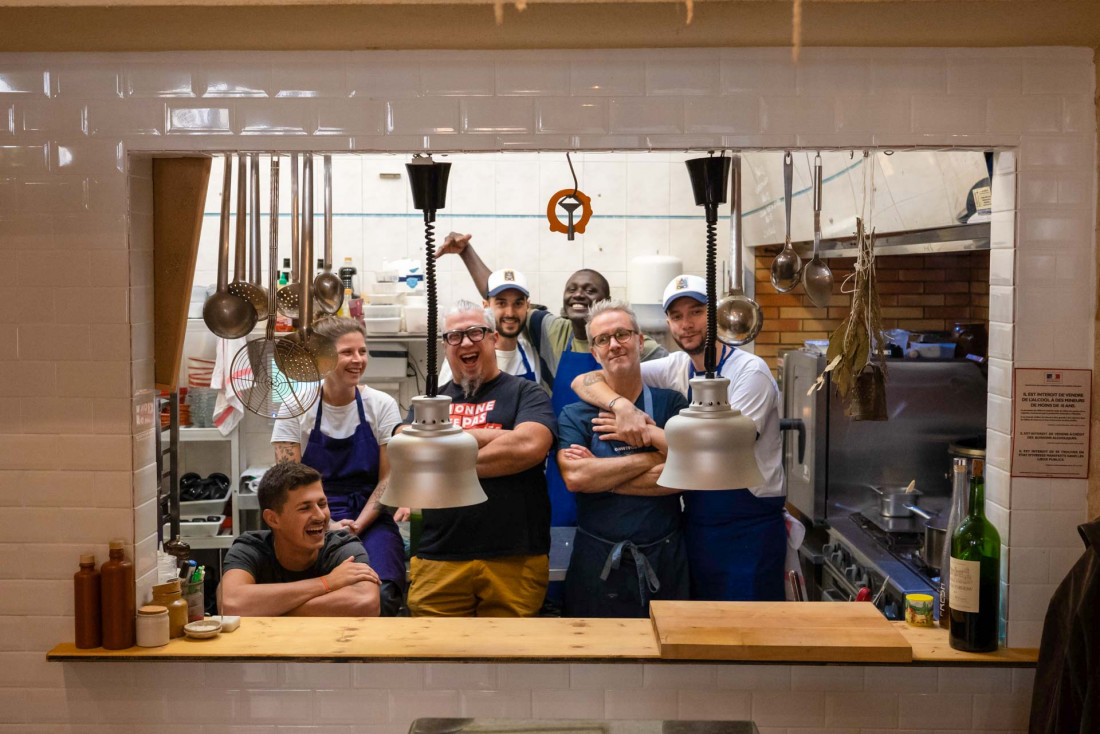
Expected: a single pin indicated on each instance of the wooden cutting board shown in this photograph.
(827, 632)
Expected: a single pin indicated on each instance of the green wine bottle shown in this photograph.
(975, 576)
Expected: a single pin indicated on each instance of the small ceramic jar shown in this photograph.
(152, 626)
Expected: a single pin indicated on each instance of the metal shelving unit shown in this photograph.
(168, 472)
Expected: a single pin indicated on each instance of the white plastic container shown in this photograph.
(376, 311)
(416, 319)
(383, 326)
(200, 529)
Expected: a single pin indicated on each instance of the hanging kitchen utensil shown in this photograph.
(817, 278)
(241, 285)
(328, 289)
(569, 201)
(739, 317)
(226, 314)
(256, 376)
(787, 266)
(288, 296)
(321, 349)
(254, 220)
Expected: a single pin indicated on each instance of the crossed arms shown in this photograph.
(354, 593)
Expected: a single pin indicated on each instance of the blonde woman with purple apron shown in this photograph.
(343, 437)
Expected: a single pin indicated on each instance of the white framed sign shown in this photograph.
(1050, 423)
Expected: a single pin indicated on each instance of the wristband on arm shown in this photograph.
(325, 584)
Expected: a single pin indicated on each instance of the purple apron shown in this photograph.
(349, 473)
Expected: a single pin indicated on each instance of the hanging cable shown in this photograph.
(431, 380)
(710, 357)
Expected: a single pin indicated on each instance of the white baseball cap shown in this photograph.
(502, 280)
(685, 285)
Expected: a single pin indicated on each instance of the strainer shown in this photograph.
(256, 374)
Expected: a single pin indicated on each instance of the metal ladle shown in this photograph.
(241, 286)
(286, 298)
(817, 279)
(786, 268)
(328, 289)
(739, 317)
(254, 219)
(227, 315)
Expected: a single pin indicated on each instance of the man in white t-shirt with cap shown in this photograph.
(736, 538)
(508, 296)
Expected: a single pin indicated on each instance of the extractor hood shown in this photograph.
(958, 238)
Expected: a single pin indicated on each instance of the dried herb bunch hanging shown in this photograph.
(857, 349)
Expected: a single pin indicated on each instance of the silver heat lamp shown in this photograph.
(710, 444)
(433, 462)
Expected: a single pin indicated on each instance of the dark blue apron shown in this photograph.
(349, 473)
(528, 373)
(616, 576)
(563, 506)
(736, 541)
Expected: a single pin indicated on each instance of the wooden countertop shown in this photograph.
(286, 639)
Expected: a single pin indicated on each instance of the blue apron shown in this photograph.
(617, 576)
(528, 373)
(349, 473)
(736, 542)
(563, 506)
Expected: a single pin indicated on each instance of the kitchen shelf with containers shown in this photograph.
(209, 464)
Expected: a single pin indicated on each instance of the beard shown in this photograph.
(509, 330)
(470, 385)
(694, 351)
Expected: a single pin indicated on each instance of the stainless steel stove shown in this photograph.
(850, 545)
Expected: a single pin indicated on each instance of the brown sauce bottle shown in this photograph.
(118, 599)
(86, 603)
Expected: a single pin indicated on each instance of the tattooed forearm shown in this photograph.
(286, 453)
(376, 496)
(592, 378)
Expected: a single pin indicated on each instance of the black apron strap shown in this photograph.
(647, 577)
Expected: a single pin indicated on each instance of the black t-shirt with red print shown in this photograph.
(515, 521)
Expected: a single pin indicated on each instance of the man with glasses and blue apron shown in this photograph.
(628, 548)
(736, 538)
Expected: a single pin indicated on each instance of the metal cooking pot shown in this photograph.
(896, 502)
(935, 535)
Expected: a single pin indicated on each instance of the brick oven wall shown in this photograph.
(918, 293)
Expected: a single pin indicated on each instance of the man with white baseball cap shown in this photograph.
(508, 298)
(736, 538)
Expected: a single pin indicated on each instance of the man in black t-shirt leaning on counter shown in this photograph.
(298, 567)
(490, 559)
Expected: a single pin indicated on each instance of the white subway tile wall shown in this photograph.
(74, 197)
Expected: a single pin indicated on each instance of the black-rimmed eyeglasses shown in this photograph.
(473, 333)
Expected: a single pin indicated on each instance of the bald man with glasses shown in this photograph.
(490, 559)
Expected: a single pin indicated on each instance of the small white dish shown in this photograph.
(202, 630)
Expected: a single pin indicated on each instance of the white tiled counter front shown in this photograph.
(383, 698)
(75, 380)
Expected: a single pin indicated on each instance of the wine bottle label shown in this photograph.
(963, 592)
